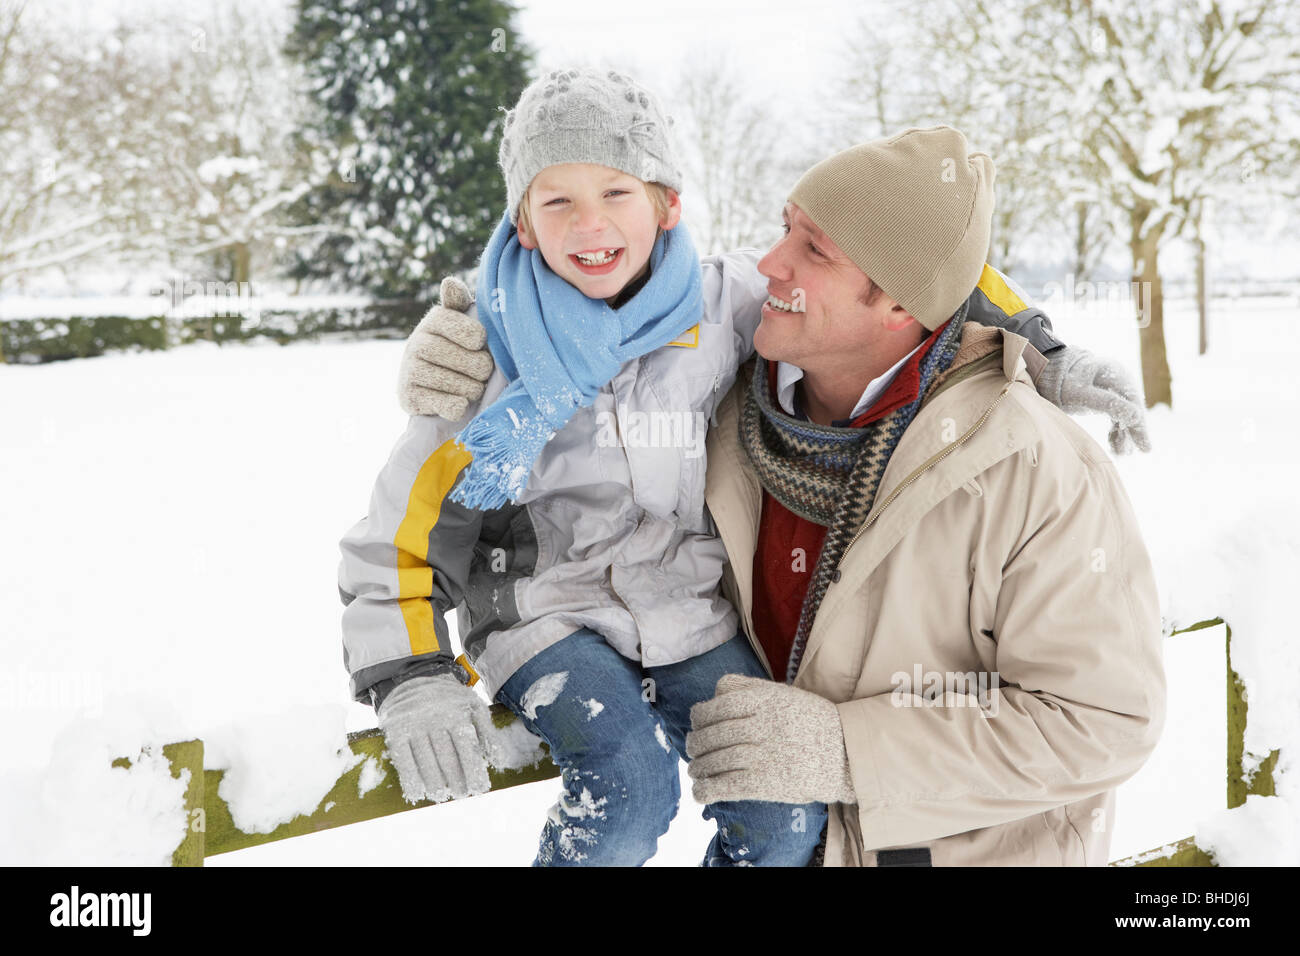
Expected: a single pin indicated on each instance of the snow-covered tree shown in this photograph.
(57, 123)
(1156, 106)
(738, 173)
(881, 92)
(409, 97)
(232, 169)
(160, 136)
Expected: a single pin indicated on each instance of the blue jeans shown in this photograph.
(617, 730)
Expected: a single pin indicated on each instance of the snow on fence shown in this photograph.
(212, 829)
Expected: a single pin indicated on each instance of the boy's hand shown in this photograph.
(439, 735)
(1077, 381)
(445, 363)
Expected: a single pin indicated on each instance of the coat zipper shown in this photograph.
(856, 835)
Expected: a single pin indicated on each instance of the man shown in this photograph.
(941, 570)
(965, 527)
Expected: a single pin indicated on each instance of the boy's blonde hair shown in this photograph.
(657, 192)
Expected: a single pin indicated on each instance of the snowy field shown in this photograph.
(170, 544)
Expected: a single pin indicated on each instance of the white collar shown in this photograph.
(787, 375)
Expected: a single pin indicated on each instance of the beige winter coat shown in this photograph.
(1000, 540)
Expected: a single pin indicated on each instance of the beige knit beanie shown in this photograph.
(913, 212)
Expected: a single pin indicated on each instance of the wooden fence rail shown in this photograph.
(212, 830)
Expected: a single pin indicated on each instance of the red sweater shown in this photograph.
(788, 545)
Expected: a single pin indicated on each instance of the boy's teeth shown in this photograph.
(596, 258)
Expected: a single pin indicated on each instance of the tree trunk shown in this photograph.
(243, 260)
(1156, 379)
(1080, 241)
(1202, 305)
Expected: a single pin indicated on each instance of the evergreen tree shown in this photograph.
(407, 96)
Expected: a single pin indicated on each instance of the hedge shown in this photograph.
(32, 341)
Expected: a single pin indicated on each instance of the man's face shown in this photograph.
(595, 226)
(814, 317)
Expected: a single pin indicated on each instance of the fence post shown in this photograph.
(188, 755)
(1261, 782)
(181, 756)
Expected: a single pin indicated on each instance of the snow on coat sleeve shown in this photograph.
(1078, 650)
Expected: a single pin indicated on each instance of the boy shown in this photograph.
(570, 523)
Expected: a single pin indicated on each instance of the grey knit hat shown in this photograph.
(586, 116)
(914, 212)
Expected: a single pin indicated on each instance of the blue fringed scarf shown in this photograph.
(558, 348)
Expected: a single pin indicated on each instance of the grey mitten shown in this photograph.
(445, 363)
(760, 740)
(1077, 381)
(438, 733)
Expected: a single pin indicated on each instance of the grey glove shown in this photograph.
(1077, 381)
(445, 363)
(439, 735)
(760, 740)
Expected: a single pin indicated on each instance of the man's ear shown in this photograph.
(674, 214)
(525, 237)
(897, 319)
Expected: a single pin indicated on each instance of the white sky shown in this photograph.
(788, 49)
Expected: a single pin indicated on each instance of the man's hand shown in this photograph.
(1077, 381)
(438, 733)
(760, 740)
(445, 362)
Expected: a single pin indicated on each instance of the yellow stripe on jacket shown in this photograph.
(997, 291)
(414, 575)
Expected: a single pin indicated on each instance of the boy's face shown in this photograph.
(595, 226)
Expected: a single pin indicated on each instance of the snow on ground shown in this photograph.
(171, 525)
(1219, 518)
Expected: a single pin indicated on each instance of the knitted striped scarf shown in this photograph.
(828, 474)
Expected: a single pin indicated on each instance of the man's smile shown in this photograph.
(778, 304)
